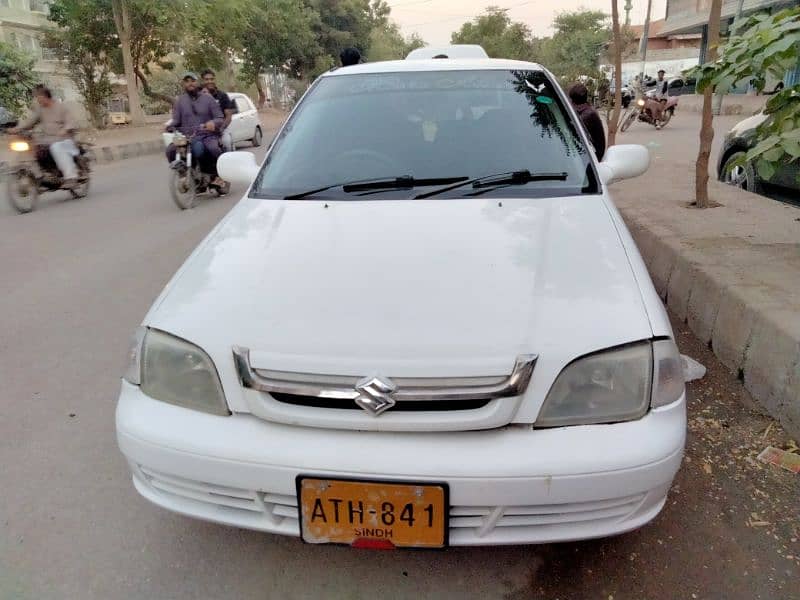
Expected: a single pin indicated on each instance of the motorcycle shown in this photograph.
(35, 172)
(187, 179)
(639, 112)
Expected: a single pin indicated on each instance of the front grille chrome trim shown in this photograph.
(447, 388)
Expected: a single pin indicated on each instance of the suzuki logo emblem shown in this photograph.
(375, 394)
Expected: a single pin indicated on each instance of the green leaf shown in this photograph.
(765, 145)
(773, 154)
(791, 147)
(766, 170)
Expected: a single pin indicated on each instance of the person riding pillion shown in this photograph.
(199, 117)
(57, 132)
(225, 103)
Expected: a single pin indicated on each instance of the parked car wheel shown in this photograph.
(741, 176)
(257, 137)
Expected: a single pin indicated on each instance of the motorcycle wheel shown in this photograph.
(666, 117)
(628, 121)
(222, 190)
(23, 191)
(183, 190)
(82, 190)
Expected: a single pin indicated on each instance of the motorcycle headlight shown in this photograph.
(175, 371)
(640, 102)
(19, 146)
(606, 387)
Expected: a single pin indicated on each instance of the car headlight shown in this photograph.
(614, 385)
(174, 371)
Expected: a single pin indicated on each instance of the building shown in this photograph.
(691, 16)
(22, 24)
(673, 52)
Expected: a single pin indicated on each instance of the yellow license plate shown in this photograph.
(373, 514)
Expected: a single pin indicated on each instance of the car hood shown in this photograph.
(408, 288)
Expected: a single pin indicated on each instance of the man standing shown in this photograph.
(199, 117)
(227, 106)
(57, 129)
(656, 103)
(589, 117)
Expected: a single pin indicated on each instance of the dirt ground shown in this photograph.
(730, 528)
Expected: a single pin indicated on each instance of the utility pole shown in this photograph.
(643, 43)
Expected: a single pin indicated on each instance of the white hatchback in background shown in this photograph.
(425, 324)
(245, 125)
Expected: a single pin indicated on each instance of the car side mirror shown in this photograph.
(624, 162)
(238, 167)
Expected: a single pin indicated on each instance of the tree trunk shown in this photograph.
(617, 41)
(707, 127)
(262, 95)
(122, 21)
(148, 91)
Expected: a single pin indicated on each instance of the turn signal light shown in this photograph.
(19, 146)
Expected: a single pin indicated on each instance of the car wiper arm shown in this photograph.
(508, 178)
(402, 182)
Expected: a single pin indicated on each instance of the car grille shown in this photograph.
(278, 512)
(423, 405)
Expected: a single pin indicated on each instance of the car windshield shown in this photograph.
(427, 127)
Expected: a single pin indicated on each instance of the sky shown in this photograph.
(435, 20)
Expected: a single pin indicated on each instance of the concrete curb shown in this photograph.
(752, 332)
(107, 154)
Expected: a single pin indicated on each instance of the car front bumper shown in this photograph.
(513, 485)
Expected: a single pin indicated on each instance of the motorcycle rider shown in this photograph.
(225, 103)
(655, 104)
(57, 130)
(199, 117)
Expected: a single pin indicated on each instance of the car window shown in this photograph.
(427, 125)
(241, 104)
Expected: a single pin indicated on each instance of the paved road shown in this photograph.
(678, 142)
(77, 278)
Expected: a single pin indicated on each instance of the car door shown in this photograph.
(249, 115)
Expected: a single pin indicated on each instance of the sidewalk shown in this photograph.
(731, 272)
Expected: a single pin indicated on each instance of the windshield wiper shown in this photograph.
(402, 182)
(499, 179)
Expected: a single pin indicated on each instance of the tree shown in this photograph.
(341, 24)
(578, 40)
(122, 20)
(279, 35)
(707, 126)
(157, 27)
(86, 42)
(497, 34)
(16, 78)
(760, 46)
(387, 43)
(613, 123)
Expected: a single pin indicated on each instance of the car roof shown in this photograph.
(436, 64)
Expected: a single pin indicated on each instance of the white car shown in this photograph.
(425, 324)
(245, 125)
